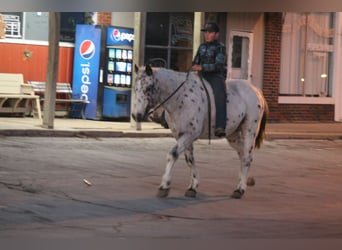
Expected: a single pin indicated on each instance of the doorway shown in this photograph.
(240, 55)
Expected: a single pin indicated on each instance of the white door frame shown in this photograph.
(248, 57)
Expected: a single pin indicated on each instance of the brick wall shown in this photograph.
(285, 112)
(104, 18)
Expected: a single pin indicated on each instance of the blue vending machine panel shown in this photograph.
(116, 102)
(86, 67)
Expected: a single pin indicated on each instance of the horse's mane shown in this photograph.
(170, 71)
(170, 76)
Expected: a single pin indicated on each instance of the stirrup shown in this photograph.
(220, 132)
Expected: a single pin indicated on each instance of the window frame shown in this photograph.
(302, 98)
(169, 47)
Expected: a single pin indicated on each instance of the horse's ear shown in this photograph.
(148, 69)
(136, 68)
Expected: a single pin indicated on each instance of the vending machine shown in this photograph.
(118, 73)
(102, 71)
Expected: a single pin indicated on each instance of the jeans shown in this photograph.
(219, 88)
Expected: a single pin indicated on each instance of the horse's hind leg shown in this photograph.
(243, 142)
(194, 181)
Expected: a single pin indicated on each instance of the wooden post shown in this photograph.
(198, 35)
(2, 27)
(52, 71)
(138, 56)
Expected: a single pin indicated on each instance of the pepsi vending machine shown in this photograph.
(102, 71)
(117, 73)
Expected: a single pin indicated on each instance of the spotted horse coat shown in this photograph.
(187, 116)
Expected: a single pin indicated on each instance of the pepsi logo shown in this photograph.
(87, 49)
(116, 34)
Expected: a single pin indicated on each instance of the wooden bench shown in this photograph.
(17, 97)
(63, 96)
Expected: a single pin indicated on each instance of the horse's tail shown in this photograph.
(262, 128)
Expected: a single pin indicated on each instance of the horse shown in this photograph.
(190, 113)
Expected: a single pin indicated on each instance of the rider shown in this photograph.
(210, 61)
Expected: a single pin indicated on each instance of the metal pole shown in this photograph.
(303, 79)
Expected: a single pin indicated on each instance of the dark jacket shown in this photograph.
(212, 57)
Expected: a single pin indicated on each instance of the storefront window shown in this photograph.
(306, 54)
(68, 24)
(169, 36)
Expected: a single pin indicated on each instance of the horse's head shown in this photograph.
(144, 90)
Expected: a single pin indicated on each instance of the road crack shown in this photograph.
(20, 187)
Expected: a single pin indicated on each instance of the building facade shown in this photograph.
(301, 82)
(292, 57)
(301, 74)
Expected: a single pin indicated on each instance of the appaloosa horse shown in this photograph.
(188, 99)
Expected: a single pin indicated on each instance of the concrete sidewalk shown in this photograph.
(64, 127)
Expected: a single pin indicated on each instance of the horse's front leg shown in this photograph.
(165, 184)
(182, 143)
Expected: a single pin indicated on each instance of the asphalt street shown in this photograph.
(106, 187)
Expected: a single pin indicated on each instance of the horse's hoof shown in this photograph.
(237, 194)
(163, 192)
(191, 193)
(250, 181)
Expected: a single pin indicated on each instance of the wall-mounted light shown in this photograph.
(27, 54)
(323, 93)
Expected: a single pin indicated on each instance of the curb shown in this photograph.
(306, 136)
(141, 134)
(81, 133)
